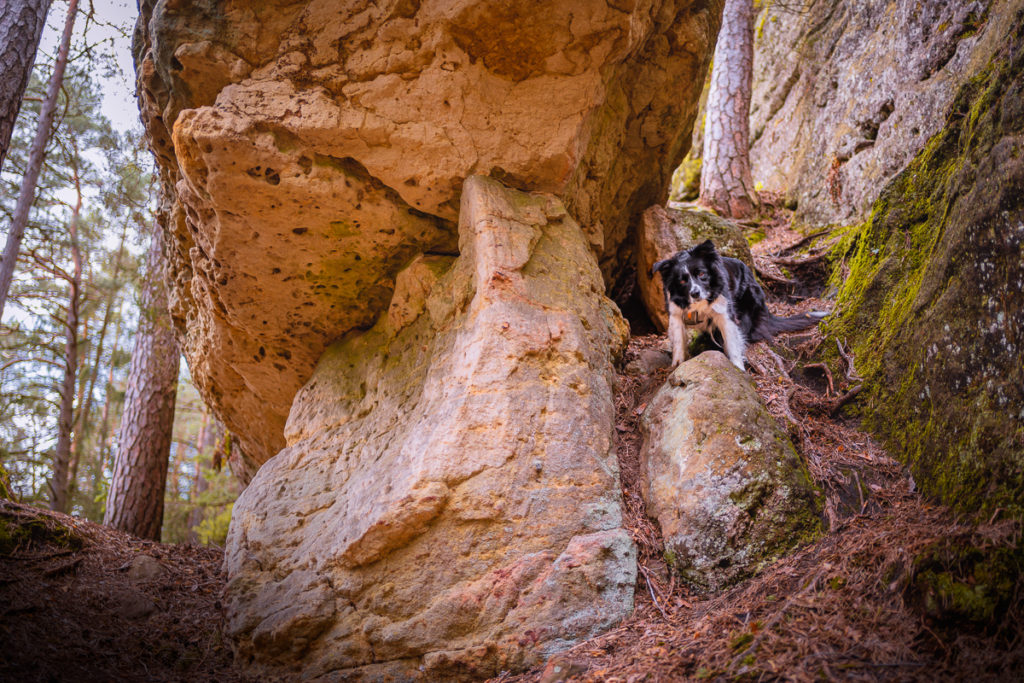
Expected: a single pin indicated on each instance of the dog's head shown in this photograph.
(692, 275)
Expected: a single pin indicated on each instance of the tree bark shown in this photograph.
(725, 184)
(85, 406)
(21, 25)
(59, 485)
(135, 502)
(35, 161)
(211, 436)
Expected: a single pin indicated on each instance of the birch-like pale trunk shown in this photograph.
(59, 485)
(85, 405)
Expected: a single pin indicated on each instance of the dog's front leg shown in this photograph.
(734, 344)
(676, 334)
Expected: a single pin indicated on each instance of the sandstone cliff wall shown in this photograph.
(312, 149)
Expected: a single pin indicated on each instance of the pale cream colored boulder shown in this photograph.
(448, 504)
(312, 148)
(721, 477)
(664, 232)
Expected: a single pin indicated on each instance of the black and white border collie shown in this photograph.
(712, 292)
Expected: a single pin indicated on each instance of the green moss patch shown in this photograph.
(931, 298)
(21, 530)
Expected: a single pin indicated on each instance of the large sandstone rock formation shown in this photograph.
(845, 95)
(313, 148)
(720, 475)
(448, 504)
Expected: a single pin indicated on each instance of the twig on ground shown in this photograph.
(851, 372)
(844, 399)
(801, 242)
(797, 262)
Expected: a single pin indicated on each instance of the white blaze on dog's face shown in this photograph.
(698, 284)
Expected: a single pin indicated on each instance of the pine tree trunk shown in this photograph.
(35, 162)
(85, 406)
(104, 435)
(21, 25)
(211, 435)
(135, 502)
(59, 485)
(725, 183)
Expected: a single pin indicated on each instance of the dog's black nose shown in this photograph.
(694, 293)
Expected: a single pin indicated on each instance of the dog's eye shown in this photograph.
(684, 277)
(702, 274)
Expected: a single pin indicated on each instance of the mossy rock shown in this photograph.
(21, 530)
(931, 297)
(686, 180)
(956, 582)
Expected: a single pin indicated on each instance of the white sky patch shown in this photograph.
(112, 27)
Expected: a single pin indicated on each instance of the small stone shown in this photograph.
(560, 668)
(146, 568)
(654, 359)
(132, 604)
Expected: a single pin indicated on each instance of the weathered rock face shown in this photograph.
(845, 95)
(721, 477)
(448, 504)
(314, 148)
(932, 298)
(666, 231)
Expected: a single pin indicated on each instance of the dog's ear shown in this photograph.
(661, 265)
(705, 248)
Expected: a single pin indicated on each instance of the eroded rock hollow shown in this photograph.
(314, 148)
(448, 501)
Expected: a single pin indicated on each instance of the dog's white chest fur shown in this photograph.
(705, 316)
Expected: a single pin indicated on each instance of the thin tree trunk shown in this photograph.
(136, 500)
(59, 485)
(104, 435)
(85, 405)
(35, 161)
(21, 25)
(725, 182)
(211, 436)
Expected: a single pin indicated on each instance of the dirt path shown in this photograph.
(81, 602)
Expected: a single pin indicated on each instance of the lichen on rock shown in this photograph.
(448, 502)
(721, 477)
(846, 95)
(931, 299)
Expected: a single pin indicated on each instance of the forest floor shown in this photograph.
(870, 600)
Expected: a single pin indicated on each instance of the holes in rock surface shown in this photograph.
(272, 176)
(176, 65)
(300, 231)
(275, 271)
